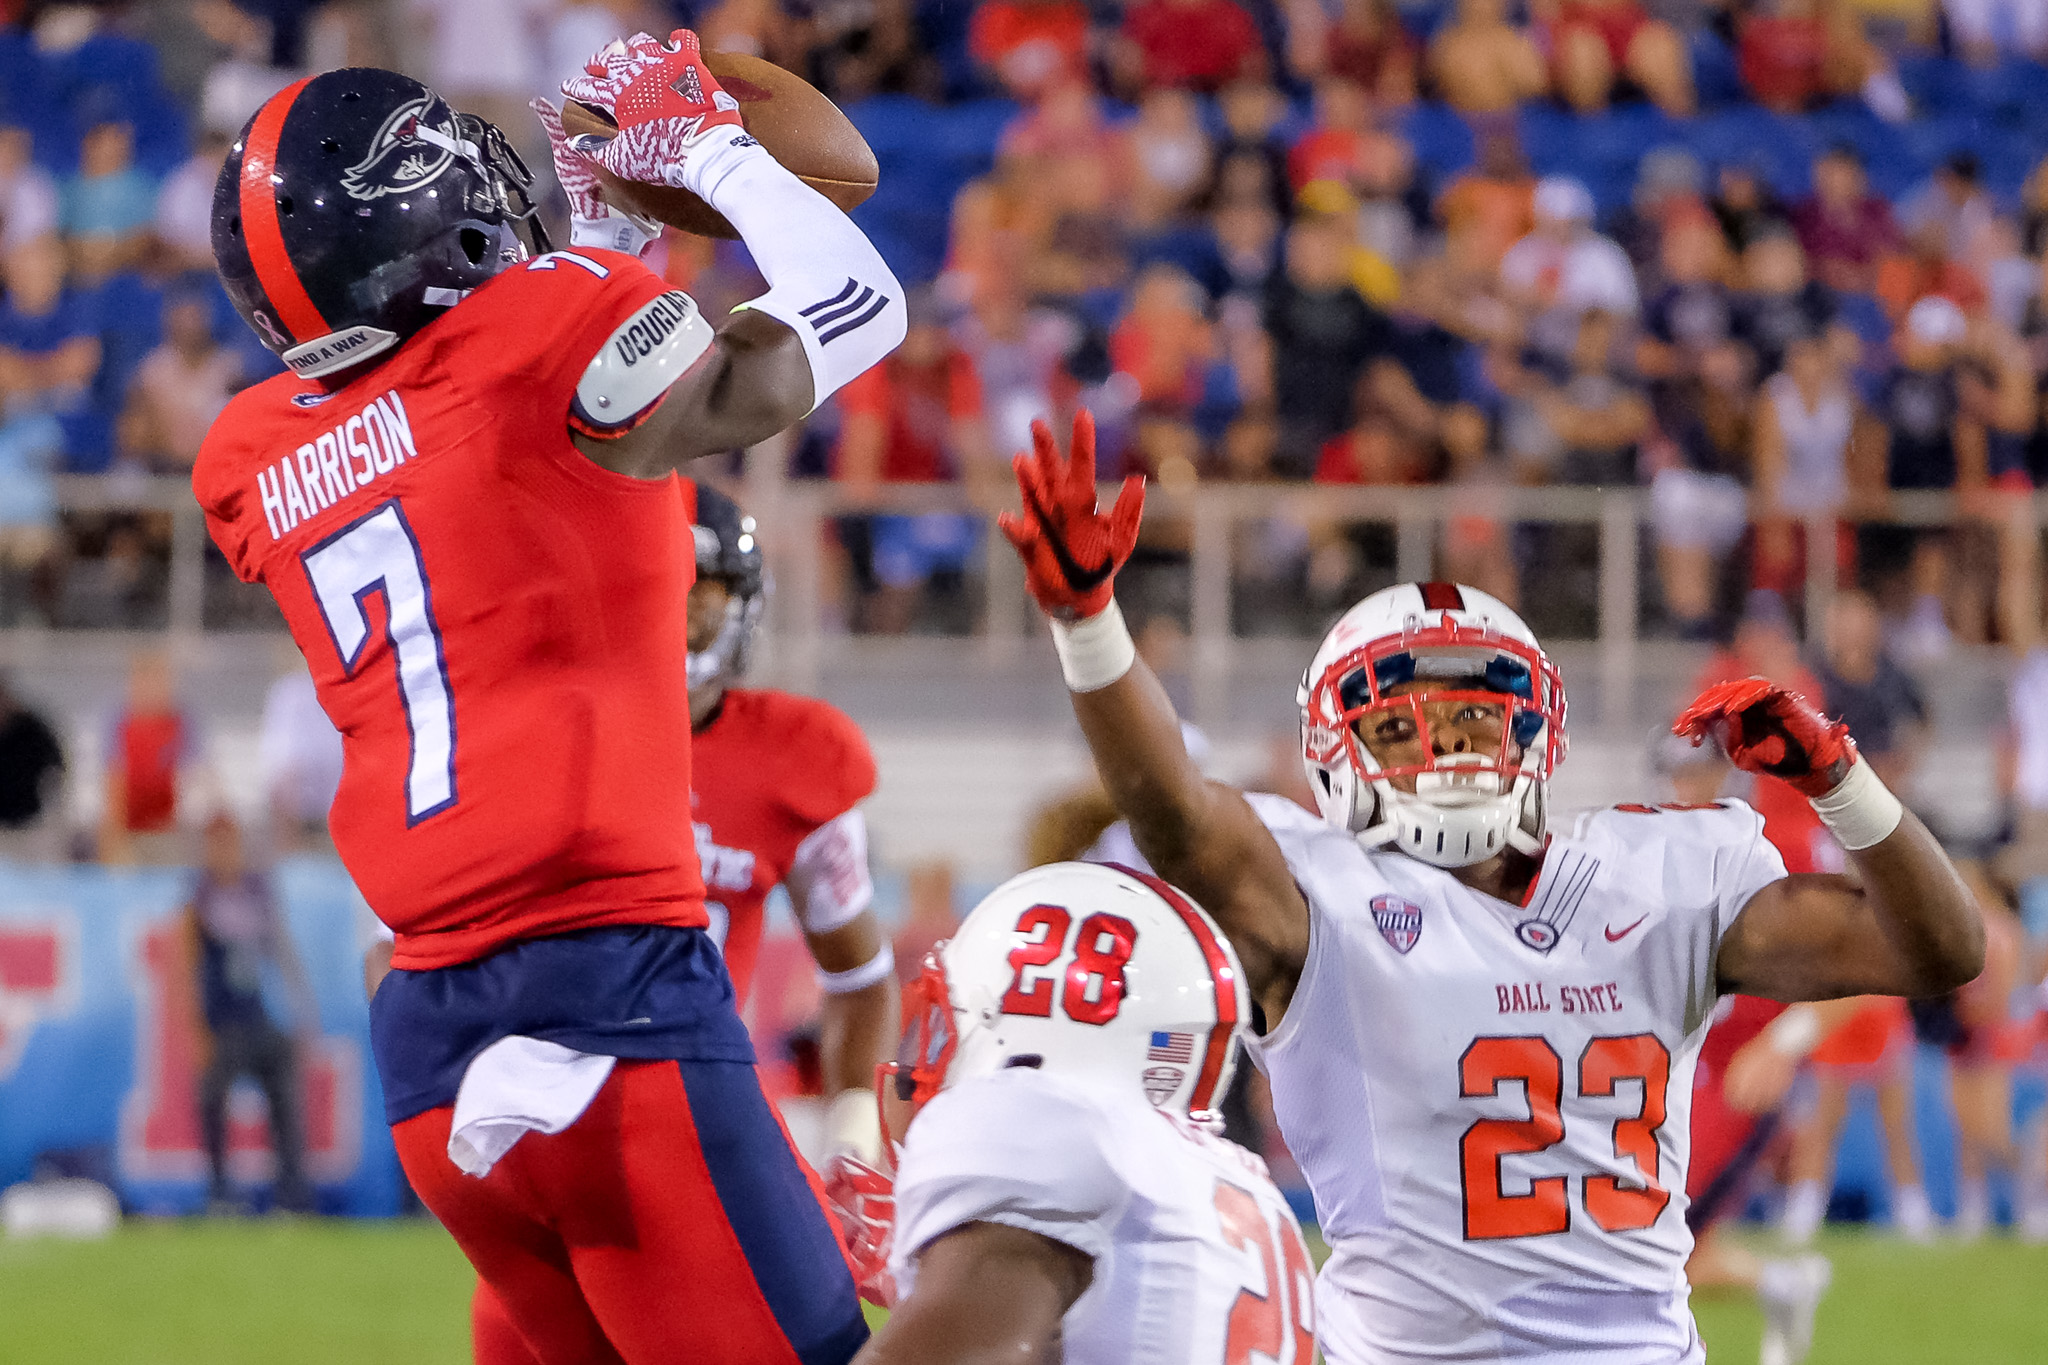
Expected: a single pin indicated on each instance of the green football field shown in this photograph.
(311, 1293)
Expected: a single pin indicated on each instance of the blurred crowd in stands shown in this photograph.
(1771, 260)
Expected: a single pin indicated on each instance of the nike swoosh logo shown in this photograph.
(1613, 937)
(1079, 579)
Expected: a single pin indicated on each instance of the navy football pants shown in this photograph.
(671, 1222)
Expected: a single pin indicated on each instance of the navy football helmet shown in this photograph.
(356, 207)
(729, 550)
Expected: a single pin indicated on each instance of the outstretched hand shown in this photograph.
(1071, 551)
(1765, 728)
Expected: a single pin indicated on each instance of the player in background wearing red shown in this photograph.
(1448, 1085)
(779, 779)
(463, 497)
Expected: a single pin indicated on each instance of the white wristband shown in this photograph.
(615, 231)
(854, 1125)
(1795, 1033)
(876, 968)
(1861, 810)
(1094, 652)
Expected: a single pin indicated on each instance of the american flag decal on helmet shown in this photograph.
(1172, 1047)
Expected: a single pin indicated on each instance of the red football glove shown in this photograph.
(664, 99)
(863, 1199)
(1071, 551)
(1765, 728)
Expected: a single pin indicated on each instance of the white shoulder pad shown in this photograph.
(649, 352)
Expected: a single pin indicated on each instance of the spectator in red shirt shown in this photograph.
(1163, 343)
(1845, 229)
(1596, 44)
(914, 418)
(1334, 148)
(1795, 52)
(1198, 44)
(1363, 42)
(152, 744)
(1030, 45)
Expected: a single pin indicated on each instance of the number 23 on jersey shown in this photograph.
(1491, 1063)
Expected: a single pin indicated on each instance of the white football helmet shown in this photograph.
(1081, 969)
(1466, 806)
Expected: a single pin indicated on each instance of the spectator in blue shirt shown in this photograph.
(48, 356)
(109, 205)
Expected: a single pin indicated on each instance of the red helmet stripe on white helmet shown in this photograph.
(1221, 977)
(1442, 597)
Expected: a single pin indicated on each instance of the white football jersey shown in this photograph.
(1197, 1256)
(1492, 1102)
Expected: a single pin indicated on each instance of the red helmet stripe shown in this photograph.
(296, 312)
(1221, 975)
(1441, 597)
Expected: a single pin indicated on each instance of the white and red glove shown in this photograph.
(592, 221)
(665, 101)
(1765, 728)
(863, 1201)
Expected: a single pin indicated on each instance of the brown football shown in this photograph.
(796, 123)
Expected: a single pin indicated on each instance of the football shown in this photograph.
(799, 126)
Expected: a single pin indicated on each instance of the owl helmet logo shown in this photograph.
(417, 143)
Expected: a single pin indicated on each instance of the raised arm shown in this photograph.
(833, 308)
(1200, 835)
(1904, 925)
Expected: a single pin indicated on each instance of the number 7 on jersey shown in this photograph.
(377, 553)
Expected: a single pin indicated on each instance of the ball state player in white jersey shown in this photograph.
(1480, 1031)
(1062, 1192)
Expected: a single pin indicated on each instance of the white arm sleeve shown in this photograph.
(828, 878)
(1018, 1148)
(826, 281)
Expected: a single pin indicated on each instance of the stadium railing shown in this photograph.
(794, 517)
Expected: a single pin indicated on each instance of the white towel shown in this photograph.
(516, 1086)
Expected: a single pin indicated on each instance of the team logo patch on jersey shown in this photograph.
(1161, 1082)
(1400, 921)
(1539, 934)
(409, 151)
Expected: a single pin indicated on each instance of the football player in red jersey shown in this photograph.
(777, 781)
(463, 498)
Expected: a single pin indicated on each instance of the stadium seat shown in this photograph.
(1442, 139)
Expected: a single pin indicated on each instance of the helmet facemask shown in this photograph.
(724, 660)
(1439, 743)
(924, 1054)
(728, 553)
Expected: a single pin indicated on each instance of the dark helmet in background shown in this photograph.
(356, 207)
(729, 551)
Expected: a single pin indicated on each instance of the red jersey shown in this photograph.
(919, 404)
(494, 623)
(151, 745)
(771, 769)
